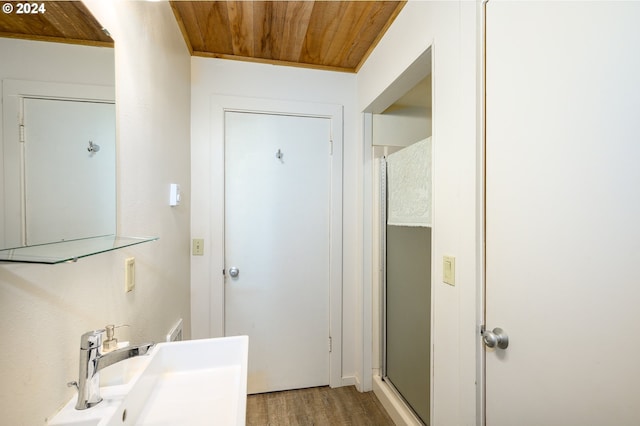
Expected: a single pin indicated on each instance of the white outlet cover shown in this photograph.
(129, 274)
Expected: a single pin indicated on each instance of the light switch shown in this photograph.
(449, 270)
(197, 248)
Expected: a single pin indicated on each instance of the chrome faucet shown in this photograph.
(92, 360)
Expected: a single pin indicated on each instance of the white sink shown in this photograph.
(195, 382)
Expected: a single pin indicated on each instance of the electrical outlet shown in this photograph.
(197, 248)
(129, 274)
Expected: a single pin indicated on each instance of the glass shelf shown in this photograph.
(69, 251)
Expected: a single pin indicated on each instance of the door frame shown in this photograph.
(221, 104)
(481, 189)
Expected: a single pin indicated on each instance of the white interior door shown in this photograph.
(563, 204)
(70, 192)
(277, 227)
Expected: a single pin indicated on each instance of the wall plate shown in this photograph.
(449, 270)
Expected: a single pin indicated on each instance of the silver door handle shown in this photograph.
(496, 337)
(234, 272)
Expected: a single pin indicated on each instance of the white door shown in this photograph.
(277, 224)
(563, 212)
(70, 191)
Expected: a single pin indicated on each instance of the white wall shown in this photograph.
(62, 63)
(450, 27)
(406, 121)
(243, 79)
(401, 126)
(44, 309)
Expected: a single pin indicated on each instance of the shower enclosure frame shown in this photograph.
(382, 223)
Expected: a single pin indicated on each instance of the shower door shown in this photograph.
(408, 319)
(407, 309)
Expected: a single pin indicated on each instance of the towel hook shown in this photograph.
(279, 155)
(93, 147)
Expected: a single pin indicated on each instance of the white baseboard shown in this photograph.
(350, 381)
(395, 407)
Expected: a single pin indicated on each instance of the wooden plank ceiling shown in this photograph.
(333, 35)
(58, 21)
(330, 34)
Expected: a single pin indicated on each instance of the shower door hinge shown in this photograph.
(21, 131)
(330, 146)
(330, 344)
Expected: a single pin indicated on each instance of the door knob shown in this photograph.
(496, 337)
(234, 272)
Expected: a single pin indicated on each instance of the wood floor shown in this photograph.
(316, 407)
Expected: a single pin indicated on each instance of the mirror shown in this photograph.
(59, 162)
(58, 139)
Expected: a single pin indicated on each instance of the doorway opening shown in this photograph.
(400, 152)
